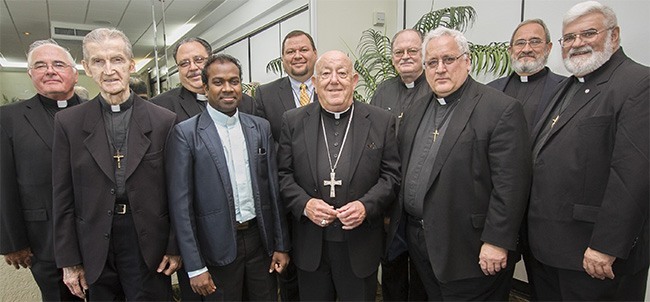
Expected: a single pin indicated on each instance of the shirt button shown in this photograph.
(337, 123)
(112, 191)
(336, 134)
(336, 144)
(107, 236)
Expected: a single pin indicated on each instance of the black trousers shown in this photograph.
(247, 277)
(400, 280)
(49, 279)
(556, 284)
(334, 279)
(126, 275)
(288, 280)
(487, 288)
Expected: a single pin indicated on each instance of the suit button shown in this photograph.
(110, 213)
(112, 191)
(107, 236)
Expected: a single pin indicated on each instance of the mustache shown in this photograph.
(585, 48)
(192, 74)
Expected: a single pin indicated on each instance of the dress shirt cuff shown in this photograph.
(195, 273)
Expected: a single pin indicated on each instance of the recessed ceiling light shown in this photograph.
(102, 22)
(27, 33)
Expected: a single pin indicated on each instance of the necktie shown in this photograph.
(304, 97)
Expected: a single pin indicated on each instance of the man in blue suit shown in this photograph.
(224, 196)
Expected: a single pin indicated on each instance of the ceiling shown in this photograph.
(133, 17)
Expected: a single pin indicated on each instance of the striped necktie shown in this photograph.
(304, 97)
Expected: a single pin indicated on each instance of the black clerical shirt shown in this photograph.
(52, 107)
(394, 96)
(116, 123)
(528, 90)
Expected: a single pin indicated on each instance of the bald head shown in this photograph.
(335, 79)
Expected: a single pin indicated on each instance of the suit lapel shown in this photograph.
(457, 123)
(310, 124)
(360, 130)
(188, 102)
(285, 94)
(96, 142)
(35, 114)
(252, 144)
(208, 133)
(138, 142)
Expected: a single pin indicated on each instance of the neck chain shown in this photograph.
(444, 118)
(332, 182)
(117, 156)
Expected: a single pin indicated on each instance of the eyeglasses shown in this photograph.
(587, 35)
(328, 74)
(186, 63)
(433, 64)
(398, 53)
(57, 66)
(534, 43)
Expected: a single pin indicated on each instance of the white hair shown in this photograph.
(40, 43)
(441, 31)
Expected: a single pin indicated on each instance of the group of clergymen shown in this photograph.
(442, 179)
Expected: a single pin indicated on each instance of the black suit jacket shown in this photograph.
(84, 185)
(533, 109)
(590, 179)
(26, 134)
(272, 100)
(374, 180)
(479, 184)
(183, 102)
(201, 199)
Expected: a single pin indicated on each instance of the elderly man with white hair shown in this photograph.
(588, 214)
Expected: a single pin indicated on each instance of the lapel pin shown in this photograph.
(587, 90)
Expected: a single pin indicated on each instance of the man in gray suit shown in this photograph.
(26, 133)
(224, 201)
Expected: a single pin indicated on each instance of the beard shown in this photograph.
(530, 67)
(583, 66)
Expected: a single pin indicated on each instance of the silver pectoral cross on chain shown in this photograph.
(332, 183)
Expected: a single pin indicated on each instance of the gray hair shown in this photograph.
(392, 42)
(589, 7)
(40, 43)
(441, 31)
(203, 43)
(101, 34)
(539, 22)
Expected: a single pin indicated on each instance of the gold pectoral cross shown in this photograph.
(554, 121)
(435, 135)
(118, 157)
(332, 182)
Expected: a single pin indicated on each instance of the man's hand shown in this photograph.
(279, 262)
(203, 284)
(20, 258)
(352, 214)
(598, 265)
(492, 259)
(74, 278)
(319, 212)
(169, 264)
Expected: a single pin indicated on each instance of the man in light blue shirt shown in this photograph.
(224, 195)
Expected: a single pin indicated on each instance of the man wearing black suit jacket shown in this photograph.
(588, 213)
(533, 84)
(189, 99)
(465, 166)
(112, 233)
(339, 171)
(273, 99)
(26, 133)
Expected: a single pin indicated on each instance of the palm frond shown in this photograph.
(491, 58)
(456, 17)
(374, 63)
(275, 66)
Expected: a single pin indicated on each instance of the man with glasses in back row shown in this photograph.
(465, 178)
(399, 279)
(26, 134)
(588, 212)
(189, 99)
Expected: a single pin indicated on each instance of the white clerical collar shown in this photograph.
(337, 115)
(441, 101)
(523, 79)
(221, 118)
(62, 104)
(581, 79)
(201, 97)
(409, 85)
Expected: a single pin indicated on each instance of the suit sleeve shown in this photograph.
(172, 243)
(281, 231)
(259, 103)
(510, 169)
(179, 169)
(66, 243)
(293, 194)
(624, 209)
(13, 231)
(379, 197)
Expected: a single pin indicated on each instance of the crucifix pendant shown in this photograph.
(332, 183)
(118, 157)
(435, 135)
(555, 121)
